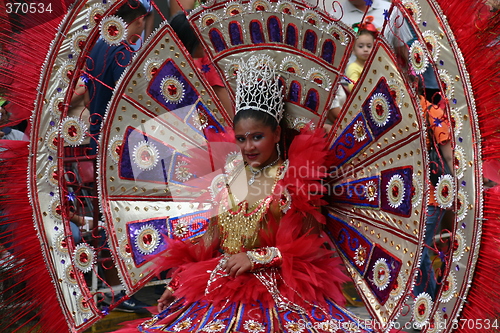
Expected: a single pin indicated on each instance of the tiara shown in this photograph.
(258, 87)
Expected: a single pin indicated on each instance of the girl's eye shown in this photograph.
(257, 137)
(240, 139)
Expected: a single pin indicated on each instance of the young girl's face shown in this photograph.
(363, 47)
(257, 142)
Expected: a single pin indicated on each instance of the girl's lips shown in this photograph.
(252, 156)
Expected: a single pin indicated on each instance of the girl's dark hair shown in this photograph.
(265, 118)
(184, 31)
(367, 32)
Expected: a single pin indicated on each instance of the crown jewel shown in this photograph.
(258, 87)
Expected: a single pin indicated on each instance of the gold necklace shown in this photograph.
(258, 171)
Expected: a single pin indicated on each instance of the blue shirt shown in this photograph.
(105, 66)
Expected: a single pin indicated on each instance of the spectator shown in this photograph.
(494, 5)
(362, 49)
(335, 108)
(9, 133)
(106, 64)
(148, 25)
(353, 11)
(438, 138)
(7, 260)
(4, 115)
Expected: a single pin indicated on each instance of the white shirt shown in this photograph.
(352, 15)
(15, 135)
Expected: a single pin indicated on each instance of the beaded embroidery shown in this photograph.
(240, 229)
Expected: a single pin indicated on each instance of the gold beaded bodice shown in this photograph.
(239, 222)
(239, 229)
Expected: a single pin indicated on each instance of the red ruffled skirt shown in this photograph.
(304, 295)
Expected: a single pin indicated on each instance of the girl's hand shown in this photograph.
(237, 264)
(165, 300)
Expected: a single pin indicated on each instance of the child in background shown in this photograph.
(362, 49)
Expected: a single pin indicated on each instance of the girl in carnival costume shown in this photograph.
(262, 265)
(163, 106)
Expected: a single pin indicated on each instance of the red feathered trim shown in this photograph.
(482, 301)
(309, 271)
(308, 267)
(28, 296)
(182, 253)
(476, 31)
(307, 166)
(24, 47)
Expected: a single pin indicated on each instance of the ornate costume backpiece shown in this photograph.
(158, 167)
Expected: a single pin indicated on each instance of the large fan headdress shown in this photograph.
(164, 118)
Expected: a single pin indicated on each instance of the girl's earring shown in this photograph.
(278, 149)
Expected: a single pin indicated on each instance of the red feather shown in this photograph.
(476, 31)
(24, 43)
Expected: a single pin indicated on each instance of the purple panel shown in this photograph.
(342, 315)
(254, 310)
(354, 192)
(394, 114)
(403, 208)
(274, 29)
(310, 41)
(394, 265)
(294, 93)
(169, 69)
(281, 82)
(256, 32)
(195, 225)
(212, 124)
(353, 140)
(312, 100)
(328, 52)
(195, 311)
(291, 35)
(235, 33)
(217, 40)
(133, 231)
(157, 174)
(355, 247)
(224, 316)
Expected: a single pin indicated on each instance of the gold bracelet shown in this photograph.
(265, 257)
